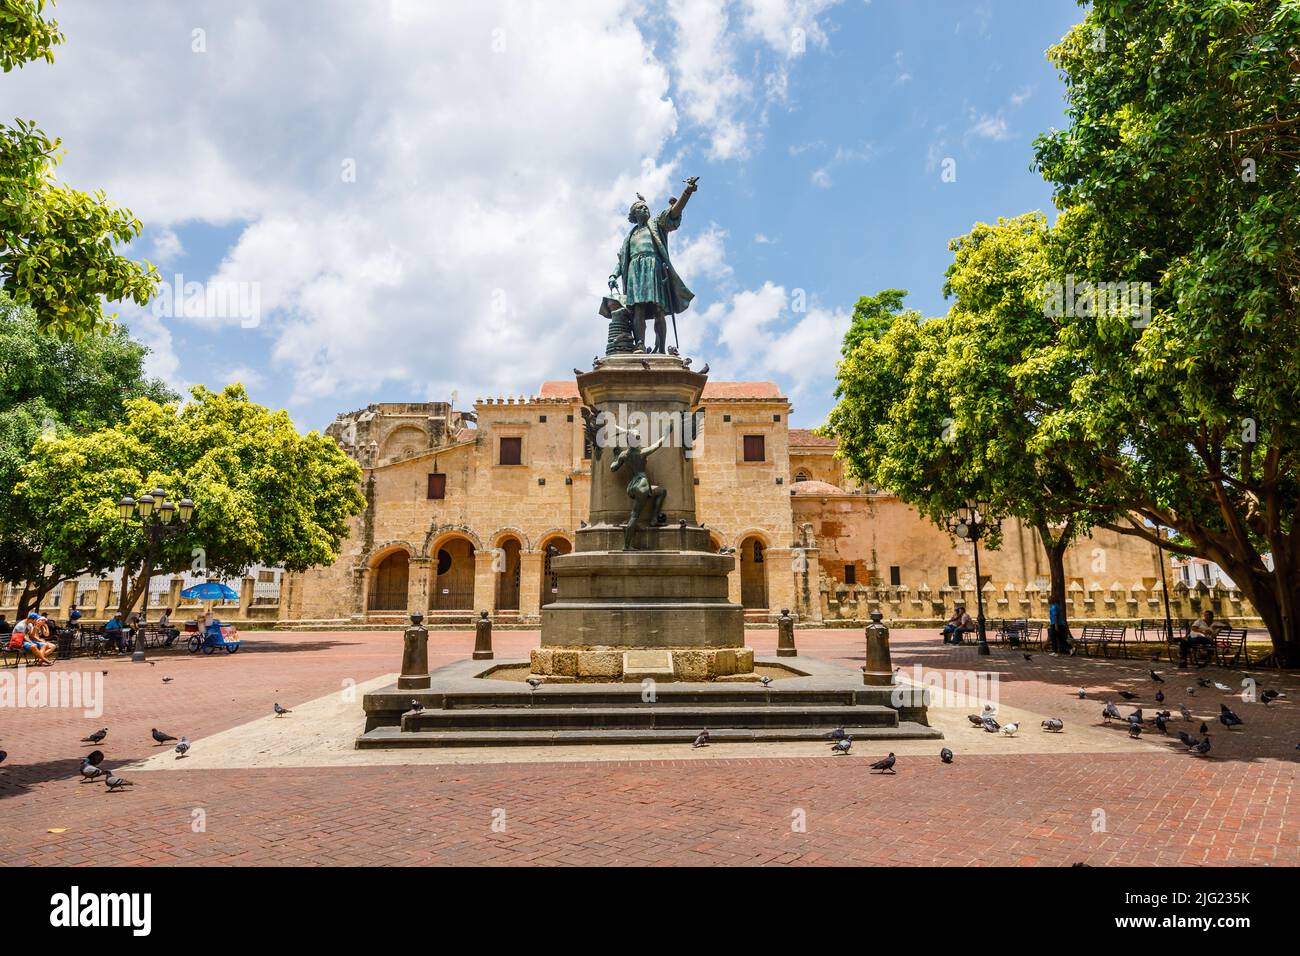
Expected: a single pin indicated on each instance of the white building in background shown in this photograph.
(1194, 571)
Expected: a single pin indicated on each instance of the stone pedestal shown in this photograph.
(670, 592)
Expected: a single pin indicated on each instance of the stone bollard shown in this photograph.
(785, 635)
(879, 669)
(415, 656)
(483, 637)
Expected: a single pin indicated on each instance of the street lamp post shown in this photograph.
(1164, 588)
(155, 514)
(970, 523)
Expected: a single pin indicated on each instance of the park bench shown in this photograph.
(1230, 641)
(1100, 635)
(1019, 632)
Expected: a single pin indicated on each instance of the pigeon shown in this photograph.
(3, 755)
(1162, 724)
(645, 364)
(1228, 718)
(1268, 696)
(1054, 724)
(168, 680)
(281, 711)
(1160, 697)
(765, 681)
(89, 771)
(945, 755)
(1186, 738)
(1135, 731)
(161, 737)
(687, 362)
(886, 765)
(1128, 695)
(1203, 747)
(1029, 657)
(990, 725)
(702, 740)
(841, 746)
(182, 748)
(95, 738)
(1191, 692)
(1135, 717)
(1110, 711)
(577, 371)
(1222, 687)
(1205, 728)
(1157, 678)
(1010, 729)
(1187, 714)
(416, 706)
(705, 370)
(534, 682)
(116, 783)
(1204, 682)
(838, 733)
(1082, 693)
(975, 719)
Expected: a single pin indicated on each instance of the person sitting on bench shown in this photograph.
(1204, 631)
(960, 623)
(165, 625)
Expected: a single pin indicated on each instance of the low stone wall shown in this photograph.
(907, 607)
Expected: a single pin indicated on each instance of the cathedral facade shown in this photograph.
(466, 509)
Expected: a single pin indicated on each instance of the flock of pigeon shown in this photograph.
(91, 770)
(1197, 745)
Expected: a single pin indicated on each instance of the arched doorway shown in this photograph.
(550, 584)
(453, 576)
(506, 564)
(753, 573)
(388, 583)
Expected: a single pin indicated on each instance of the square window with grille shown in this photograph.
(755, 448)
(512, 451)
(437, 486)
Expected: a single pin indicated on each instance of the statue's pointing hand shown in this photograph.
(692, 183)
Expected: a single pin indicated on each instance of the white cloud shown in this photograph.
(167, 246)
(1019, 97)
(427, 196)
(988, 127)
(705, 61)
(763, 240)
(763, 338)
(492, 146)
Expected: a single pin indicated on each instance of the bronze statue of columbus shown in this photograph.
(652, 289)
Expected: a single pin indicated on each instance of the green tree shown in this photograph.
(263, 492)
(1180, 167)
(946, 410)
(52, 386)
(57, 244)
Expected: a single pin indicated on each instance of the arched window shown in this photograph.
(801, 475)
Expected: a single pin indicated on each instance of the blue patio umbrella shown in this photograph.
(211, 591)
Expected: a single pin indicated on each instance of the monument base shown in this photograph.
(632, 664)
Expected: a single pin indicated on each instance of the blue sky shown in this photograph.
(492, 151)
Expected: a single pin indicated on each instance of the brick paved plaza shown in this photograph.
(275, 792)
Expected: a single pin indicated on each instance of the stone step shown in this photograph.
(648, 717)
(389, 737)
(579, 696)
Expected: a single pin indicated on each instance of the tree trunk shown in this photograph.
(1055, 548)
